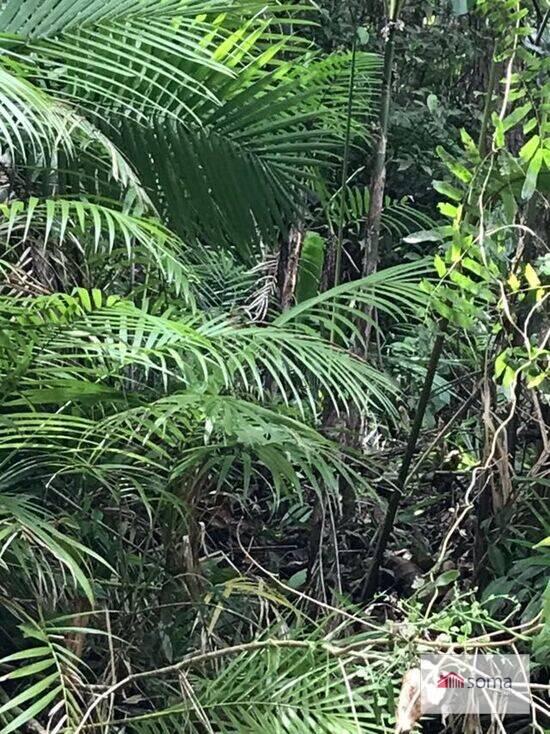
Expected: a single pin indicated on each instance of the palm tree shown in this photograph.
(144, 144)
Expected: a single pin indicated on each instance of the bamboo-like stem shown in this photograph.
(370, 263)
(345, 166)
(371, 235)
(378, 178)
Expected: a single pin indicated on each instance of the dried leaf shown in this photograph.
(409, 708)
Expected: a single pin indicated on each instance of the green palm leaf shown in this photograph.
(41, 18)
(29, 528)
(47, 676)
(243, 174)
(276, 691)
(29, 119)
(393, 291)
(191, 349)
(97, 228)
(238, 130)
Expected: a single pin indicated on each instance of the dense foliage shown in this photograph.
(274, 359)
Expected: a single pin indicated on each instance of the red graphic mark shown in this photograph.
(451, 680)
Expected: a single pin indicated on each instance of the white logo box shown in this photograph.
(482, 683)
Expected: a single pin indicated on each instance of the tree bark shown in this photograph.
(289, 260)
(371, 237)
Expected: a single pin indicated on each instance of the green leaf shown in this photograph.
(531, 177)
(30, 692)
(32, 652)
(426, 235)
(499, 131)
(454, 166)
(469, 143)
(433, 103)
(501, 363)
(448, 190)
(363, 35)
(509, 377)
(32, 711)
(509, 203)
(448, 210)
(447, 577)
(527, 151)
(298, 579)
(27, 670)
(310, 266)
(515, 117)
(536, 380)
(531, 276)
(440, 266)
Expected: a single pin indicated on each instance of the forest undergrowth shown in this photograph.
(274, 361)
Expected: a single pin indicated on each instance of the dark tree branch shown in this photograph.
(371, 582)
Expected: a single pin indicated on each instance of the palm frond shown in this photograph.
(243, 174)
(29, 118)
(190, 349)
(37, 129)
(399, 218)
(30, 539)
(274, 691)
(393, 291)
(37, 20)
(95, 228)
(240, 122)
(135, 56)
(219, 438)
(88, 350)
(48, 677)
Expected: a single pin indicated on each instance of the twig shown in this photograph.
(306, 597)
(195, 659)
(542, 27)
(442, 433)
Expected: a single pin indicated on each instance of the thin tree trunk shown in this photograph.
(372, 229)
(371, 582)
(378, 178)
(371, 237)
(345, 168)
(289, 260)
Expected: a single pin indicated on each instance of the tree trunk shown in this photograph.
(384, 535)
(371, 238)
(289, 260)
